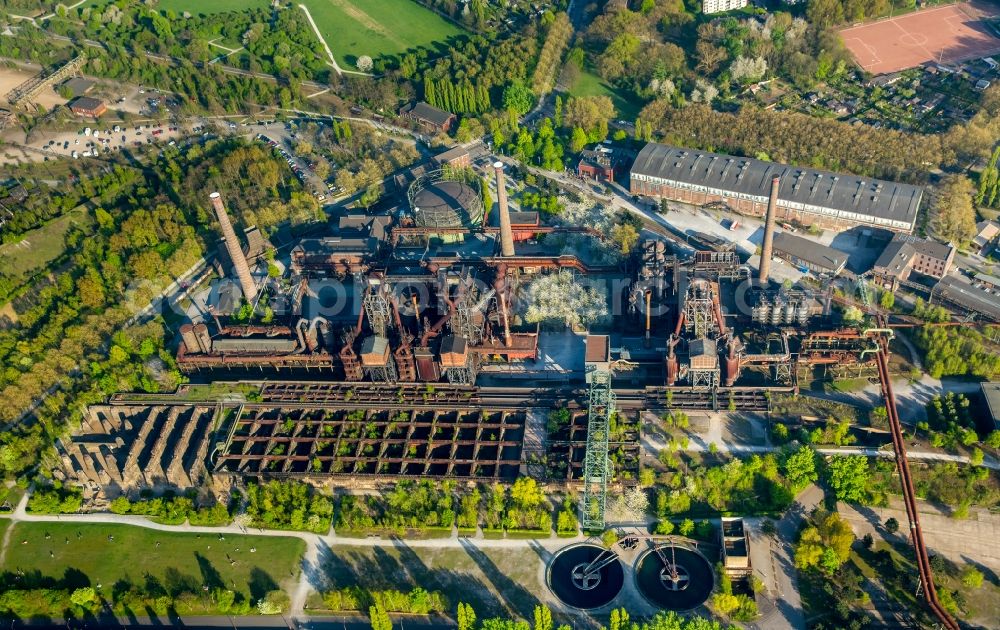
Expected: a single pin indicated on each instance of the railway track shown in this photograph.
(443, 396)
(909, 494)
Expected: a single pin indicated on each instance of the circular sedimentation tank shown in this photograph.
(682, 588)
(571, 581)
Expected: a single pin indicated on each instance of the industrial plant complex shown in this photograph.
(401, 346)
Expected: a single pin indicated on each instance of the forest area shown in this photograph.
(70, 345)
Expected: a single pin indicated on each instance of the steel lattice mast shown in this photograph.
(596, 464)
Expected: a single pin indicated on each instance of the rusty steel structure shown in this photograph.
(20, 96)
(909, 493)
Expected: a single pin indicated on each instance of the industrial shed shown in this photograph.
(814, 256)
(807, 196)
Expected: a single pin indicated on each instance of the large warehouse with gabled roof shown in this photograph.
(808, 196)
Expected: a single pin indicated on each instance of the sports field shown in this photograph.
(353, 28)
(134, 553)
(945, 34)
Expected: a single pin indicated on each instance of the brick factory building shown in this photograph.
(87, 106)
(600, 164)
(808, 196)
(907, 254)
(429, 118)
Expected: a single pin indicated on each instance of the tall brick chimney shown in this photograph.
(235, 250)
(506, 233)
(768, 246)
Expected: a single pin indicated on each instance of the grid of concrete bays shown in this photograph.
(481, 444)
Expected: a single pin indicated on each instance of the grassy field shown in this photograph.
(376, 27)
(198, 558)
(589, 84)
(494, 581)
(41, 246)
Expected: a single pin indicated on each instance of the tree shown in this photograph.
(686, 527)
(86, 596)
(560, 297)
(972, 577)
(800, 468)
(543, 618)
(829, 562)
(379, 618)
(466, 617)
(853, 315)
(518, 97)
(625, 237)
(887, 300)
(825, 13)
(590, 113)
(891, 525)
(993, 439)
(371, 196)
(848, 477)
(578, 140)
(365, 63)
(953, 218)
(748, 70)
(977, 456)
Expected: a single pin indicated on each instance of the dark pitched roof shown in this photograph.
(373, 225)
(334, 244)
(453, 344)
(703, 347)
(86, 102)
(967, 296)
(427, 113)
(902, 248)
(853, 198)
(451, 154)
(991, 392)
(78, 85)
(810, 251)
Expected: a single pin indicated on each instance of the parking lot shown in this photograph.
(93, 141)
(278, 140)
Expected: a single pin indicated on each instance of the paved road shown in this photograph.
(773, 563)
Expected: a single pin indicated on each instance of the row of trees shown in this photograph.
(409, 505)
(289, 505)
(758, 484)
(173, 510)
(559, 32)
(416, 602)
(957, 351)
(800, 139)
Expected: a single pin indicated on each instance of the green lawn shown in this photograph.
(496, 582)
(376, 27)
(195, 558)
(589, 84)
(41, 246)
